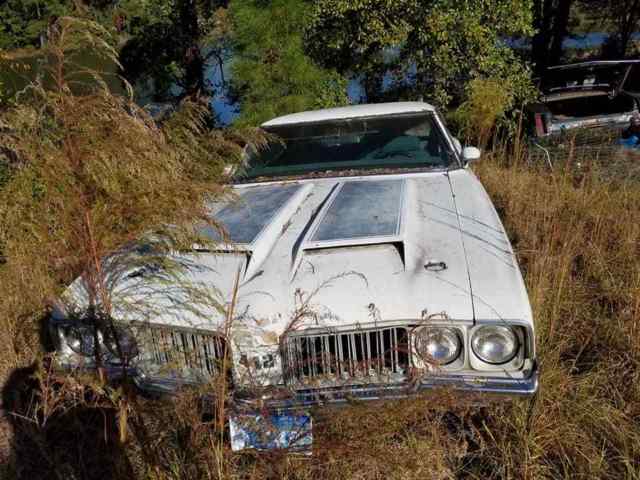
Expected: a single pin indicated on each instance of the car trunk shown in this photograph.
(576, 108)
(590, 94)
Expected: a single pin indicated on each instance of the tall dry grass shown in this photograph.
(578, 241)
(577, 237)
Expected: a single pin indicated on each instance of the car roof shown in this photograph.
(353, 111)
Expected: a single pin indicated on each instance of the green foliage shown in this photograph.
(353, 36)
(459, 43)
(23, 22)
(271, 72)
(167, 41)
(486, 107)
(139, 14)
(624, 18)
(443, 44)
(170, 44)
(150, 55)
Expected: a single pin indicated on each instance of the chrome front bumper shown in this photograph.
(478, 388)
(462, 385)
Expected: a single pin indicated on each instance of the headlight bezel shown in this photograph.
(513, 361)
(121, 333)
(468, 360)
(418, 335)
(83, 331)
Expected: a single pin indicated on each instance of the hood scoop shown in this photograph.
(247, 216)
(254, 221)
(362, 212)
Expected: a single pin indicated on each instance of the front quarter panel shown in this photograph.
(498, 289)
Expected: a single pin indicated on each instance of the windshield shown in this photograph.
(389, 142)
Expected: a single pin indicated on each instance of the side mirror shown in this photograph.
(470, 154)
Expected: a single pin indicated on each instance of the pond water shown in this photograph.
(17, 73)
(572, 42)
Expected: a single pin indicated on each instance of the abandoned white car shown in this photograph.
(371, 264)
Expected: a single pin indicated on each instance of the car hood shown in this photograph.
(347, 251)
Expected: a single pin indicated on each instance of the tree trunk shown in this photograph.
(194, 63)
(629, 23)
(543, 16)
(372, 83)
(560, 30)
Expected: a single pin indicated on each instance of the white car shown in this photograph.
(371, 263)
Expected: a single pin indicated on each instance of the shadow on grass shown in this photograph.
(54, 442)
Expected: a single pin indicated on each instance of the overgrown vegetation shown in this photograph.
(90, 178)
(25, 22)
(485, 108)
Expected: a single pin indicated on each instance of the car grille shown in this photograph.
(184, 353)
(363, 356)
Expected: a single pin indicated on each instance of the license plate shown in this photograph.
(275, 431)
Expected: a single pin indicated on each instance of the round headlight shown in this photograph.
(121, 342)
(80, 339)
(439, 345)
(495, 344)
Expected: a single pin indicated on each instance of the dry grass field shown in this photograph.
(577, 236)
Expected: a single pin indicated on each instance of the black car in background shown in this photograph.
(595, 94)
